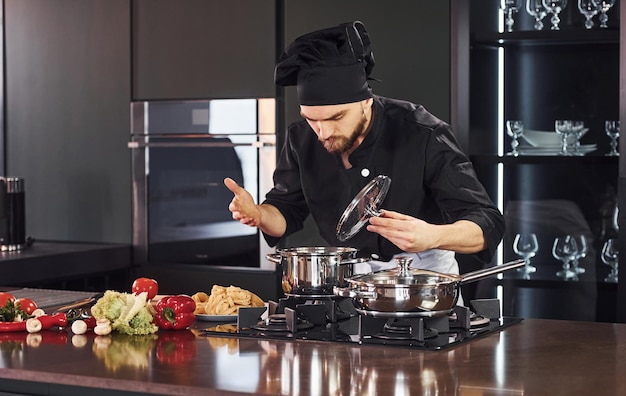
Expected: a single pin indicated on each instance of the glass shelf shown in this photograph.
(546, 37)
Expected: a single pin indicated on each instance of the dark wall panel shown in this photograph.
(67, 95)
(196, 49)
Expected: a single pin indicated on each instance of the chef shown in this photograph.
(435, 206)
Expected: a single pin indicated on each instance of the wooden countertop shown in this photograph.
(534, 357)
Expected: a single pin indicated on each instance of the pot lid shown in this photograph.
(402, 275)
(364, 205)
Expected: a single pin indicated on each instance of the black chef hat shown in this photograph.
(328, 66)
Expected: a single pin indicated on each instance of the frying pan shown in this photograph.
(405, 289)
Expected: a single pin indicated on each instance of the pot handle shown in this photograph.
(274, 258)
(355, 261)
(343, 292)
(348, 292)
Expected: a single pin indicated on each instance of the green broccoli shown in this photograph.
(128, 313)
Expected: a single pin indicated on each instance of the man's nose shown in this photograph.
(323, 130)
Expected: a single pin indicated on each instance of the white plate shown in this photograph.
(216, 318)
(584, 149)
(546, 138)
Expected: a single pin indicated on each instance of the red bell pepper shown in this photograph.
(175, 312)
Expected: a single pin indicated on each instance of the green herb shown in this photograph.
(9, 312)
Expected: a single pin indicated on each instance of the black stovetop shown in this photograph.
(427, 333)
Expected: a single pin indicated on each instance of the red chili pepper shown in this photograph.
(49, 321)
(174, 348)
(90, 321)
(175, 312)
(13, 326)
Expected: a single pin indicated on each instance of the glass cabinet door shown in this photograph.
(557, 189)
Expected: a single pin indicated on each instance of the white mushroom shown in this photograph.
(38, 312)
(33, 325)
(79, 327)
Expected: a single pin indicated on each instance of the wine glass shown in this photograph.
(509, 7)
(535, 9)
(515, 129)
(526, 246)
(604, 6)
(577, 130)
(583, 249)
(612, 129)
(589, 9)
(610, 257)
(616, 217)
(565, 249)
(554, 7)
(564, 129)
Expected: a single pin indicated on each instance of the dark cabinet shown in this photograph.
(66, 95)
(539, 76)
(198, 49)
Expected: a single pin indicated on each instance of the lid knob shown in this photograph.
(404, 262)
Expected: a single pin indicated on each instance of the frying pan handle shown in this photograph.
(485, 272)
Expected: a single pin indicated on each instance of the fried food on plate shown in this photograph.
(225, 300)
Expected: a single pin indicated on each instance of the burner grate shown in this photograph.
(280, 323)
(422, 333)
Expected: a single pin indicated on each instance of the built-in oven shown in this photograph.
(181, 153)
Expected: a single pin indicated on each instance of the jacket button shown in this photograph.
(365, 172)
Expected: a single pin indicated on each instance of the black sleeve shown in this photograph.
(459, 193)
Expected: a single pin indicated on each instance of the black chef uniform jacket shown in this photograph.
(431, 179)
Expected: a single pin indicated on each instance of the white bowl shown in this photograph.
(547, 138)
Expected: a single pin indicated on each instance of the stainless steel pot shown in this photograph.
(405, 289)
(312, 271)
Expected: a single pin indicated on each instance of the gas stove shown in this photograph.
(336, 320)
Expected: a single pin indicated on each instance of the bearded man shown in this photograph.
(435, 206)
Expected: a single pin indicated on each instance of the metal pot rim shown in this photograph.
(316, 250)
(395, 285)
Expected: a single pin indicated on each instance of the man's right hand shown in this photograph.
(265, 216)
(243, 207)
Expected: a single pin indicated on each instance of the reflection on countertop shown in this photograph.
(533, 357)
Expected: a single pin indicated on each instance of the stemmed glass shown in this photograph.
(612, 129)
(554, 7)
(535, 9)
(567, 128)
(589, 9)
(514, 129)
(604, 6)
(583, 249)
(526, 246)
(565, 249)
(577, 130)
(509, 7)
(610, 257)
(564, 128)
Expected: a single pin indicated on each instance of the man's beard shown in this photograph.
(342, 144)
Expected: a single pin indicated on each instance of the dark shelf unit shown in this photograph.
(541, 76)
